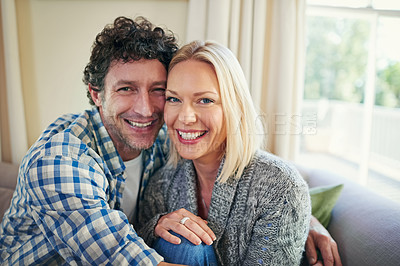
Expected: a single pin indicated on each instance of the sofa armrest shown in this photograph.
(8, 181)
(365, 225)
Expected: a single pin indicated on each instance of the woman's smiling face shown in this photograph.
(193, 111)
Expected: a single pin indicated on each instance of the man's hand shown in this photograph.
(194, 229)
(319, 238)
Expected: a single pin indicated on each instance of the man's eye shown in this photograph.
(172, 99)
(159, 91)
(124, 89)
(205, 101)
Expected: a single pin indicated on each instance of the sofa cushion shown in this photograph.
(323, 199)
(8, 181)
(5, 200)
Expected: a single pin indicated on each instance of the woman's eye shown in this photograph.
(172, 99)
(205, 101)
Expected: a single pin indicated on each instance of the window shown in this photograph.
(352, 87)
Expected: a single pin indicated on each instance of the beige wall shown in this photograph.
(55, 37)
(5, 146)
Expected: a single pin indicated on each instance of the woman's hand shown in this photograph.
(193, 229)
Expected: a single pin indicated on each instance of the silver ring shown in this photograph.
(184, 219)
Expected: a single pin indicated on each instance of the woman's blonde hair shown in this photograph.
(244, 129)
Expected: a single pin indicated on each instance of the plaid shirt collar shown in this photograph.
(153, 157)
(105, 146)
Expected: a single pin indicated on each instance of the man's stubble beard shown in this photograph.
(128, 144)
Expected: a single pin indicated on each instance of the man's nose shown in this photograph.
(144, 106)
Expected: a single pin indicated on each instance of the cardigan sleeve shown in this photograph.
(151, 208)
(280, 231)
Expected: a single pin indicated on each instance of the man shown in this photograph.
(67, 209)
(78, 184)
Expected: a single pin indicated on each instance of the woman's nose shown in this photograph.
(187, 114)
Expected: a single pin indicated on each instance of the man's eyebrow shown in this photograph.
(162, 83)
(135, 83)
(125, 82)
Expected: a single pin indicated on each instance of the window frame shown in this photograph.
(372, 15)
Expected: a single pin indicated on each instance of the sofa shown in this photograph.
(365, 225)
(8, 181)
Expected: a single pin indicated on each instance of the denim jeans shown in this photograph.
(185, 253)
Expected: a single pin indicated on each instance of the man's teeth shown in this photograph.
(190, 136)
(135, 124)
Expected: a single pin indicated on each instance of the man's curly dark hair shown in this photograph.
(127, 40)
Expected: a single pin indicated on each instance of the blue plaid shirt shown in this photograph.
(66, 206)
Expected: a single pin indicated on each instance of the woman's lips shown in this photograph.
(190, 136)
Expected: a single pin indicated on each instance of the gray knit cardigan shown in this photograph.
(260, 219)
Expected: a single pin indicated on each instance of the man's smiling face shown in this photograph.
(132, 104)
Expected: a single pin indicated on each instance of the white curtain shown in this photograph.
(14, 113)
(267, 37)
(284, 76)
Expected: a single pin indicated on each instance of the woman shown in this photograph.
(218, 186)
